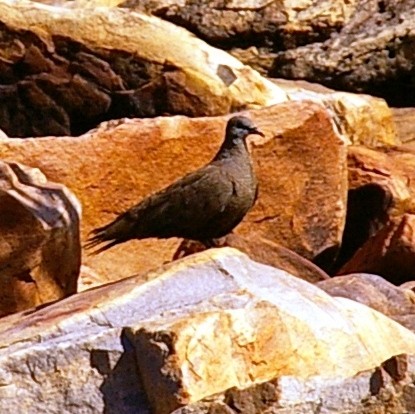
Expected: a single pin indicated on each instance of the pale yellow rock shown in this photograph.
(237, 322)
(151, 39)
(291, 329)
(361, 119)
(220, 81)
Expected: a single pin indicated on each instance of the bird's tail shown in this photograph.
(111, 234)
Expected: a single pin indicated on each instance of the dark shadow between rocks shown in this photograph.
(121, 389)
(367, 208)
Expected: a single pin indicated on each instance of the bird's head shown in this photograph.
(239, 127)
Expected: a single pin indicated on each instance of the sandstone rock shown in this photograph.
(389, 253)
(362, 119)
(404, 119)
(78, 67)
(396, 302)
(77, 76)
(381, 190)
(40, 250)
(73, 356)
(301, 163)
(263, 251)
(374, 391)
(371, 54)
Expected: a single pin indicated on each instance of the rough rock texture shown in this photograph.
(263, 251)
(362, 119)
(79, 67)
(396, 302)
(373, 53)
(301, 163)
(55, 63)
(266, 25)
(40, 251)
(404, 119)
(389, 253)
(73, 356)
(386, 389)
(381, 194)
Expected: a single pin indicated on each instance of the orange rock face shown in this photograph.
(380, 219)
(300, 166)
(40, 250)
(390, 253)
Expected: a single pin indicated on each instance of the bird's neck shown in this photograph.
(232, 149)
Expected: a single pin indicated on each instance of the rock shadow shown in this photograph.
(122, 388)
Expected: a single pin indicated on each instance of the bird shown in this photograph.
(204, 205)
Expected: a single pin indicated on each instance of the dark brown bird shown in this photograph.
(203, 205)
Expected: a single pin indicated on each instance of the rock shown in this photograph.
(405, 120)
(78, 67)
(266, 24)
(263, 251)
(362, 119)
(370, 54)
(389, 253)
(396, 302)
(40, 250)
(88, 279)
(374, 391)
(77, 76)
(123, 161)
(204, 205)
(75, 356)
(381, 190)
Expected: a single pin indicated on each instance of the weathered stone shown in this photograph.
(188, 358)
(372, 54)
(123, 161)
(77, 76)
(396, 302)
(382, 189)
(362, 119)
(78, 67)
(404, 119)
(73, 356)
(263, 251)
(40, 251)
(266, 24)
(389, 253)
(369, 392)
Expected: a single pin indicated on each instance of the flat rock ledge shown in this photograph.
(215, 323)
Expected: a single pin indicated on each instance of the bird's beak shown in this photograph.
(256, 131)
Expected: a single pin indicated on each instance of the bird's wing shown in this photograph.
(184, 205)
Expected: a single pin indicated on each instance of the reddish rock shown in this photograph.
(40, 250)
(389, 253)
(263, 251)
(301, 167)
(381, 189)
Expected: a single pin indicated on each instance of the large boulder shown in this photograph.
(378, 236)
(371, 54)
(397, 302)
(202, 325)
(40, 250)
(78, 67)
(301, 163)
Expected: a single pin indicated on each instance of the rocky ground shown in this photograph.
(307, 307)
